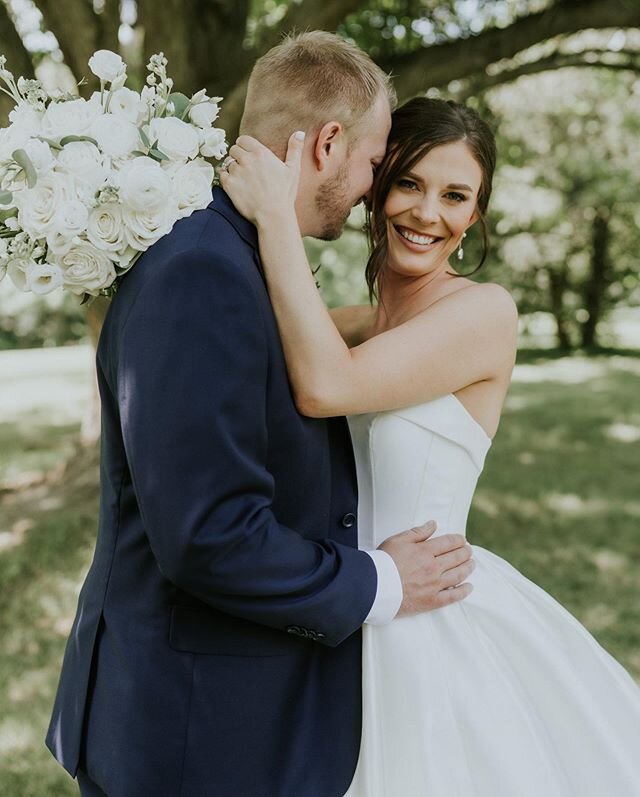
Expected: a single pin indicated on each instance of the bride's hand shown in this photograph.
(260, 184)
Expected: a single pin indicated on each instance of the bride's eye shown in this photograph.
(455, 196)
(404, 182)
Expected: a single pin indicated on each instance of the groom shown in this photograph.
(217, 648)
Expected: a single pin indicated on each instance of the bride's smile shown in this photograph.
(429, 208)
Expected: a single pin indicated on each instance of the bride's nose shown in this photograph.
(426, 210)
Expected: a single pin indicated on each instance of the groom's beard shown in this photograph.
(334, 204)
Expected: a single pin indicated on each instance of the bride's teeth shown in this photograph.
(423, 240)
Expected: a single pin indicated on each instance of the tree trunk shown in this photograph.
(557, 288)
(595, 289)
(202, 39)
(18, 59)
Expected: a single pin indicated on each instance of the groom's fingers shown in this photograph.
(295, 148)
(249, 143)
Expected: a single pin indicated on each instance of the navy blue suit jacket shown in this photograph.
(216, 649)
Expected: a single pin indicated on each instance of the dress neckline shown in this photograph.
(470, 416)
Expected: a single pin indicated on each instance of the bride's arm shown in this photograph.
(465, 338)
(354, 322)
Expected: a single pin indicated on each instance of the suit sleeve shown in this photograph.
(192, 382)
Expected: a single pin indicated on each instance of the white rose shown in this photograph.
(192, 186)
(116, 136)
(37, 206)
(144, 228)
(105, 229)
(144, 186)
(40, 155)
(42, 278)
(107, 65)
(213, 144)
(125, 258)
(126, 103)
(204, 114)
(86, 269)
(175, 138)
(71, 117)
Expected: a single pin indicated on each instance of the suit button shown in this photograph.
(348, 520)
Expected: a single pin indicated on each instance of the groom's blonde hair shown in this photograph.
(307, 80)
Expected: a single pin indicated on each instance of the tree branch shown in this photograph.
(439, 64)
(481, 83)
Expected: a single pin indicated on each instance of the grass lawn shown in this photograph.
(559, 499)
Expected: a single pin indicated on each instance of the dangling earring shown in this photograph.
(460, 249)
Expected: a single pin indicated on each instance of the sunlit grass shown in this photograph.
(559, 499)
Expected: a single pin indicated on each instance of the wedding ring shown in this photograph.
(227, 162)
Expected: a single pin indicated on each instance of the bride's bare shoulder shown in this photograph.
(485, 300)
(354, 323)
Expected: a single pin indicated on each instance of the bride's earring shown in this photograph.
(460, 249)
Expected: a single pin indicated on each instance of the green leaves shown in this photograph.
(24, 161)
(180, 103)
(68, 139)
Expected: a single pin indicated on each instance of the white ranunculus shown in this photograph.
(213, 144)
(175, 138)
(70, 118)
(126, 103)
(43, 278)
(25, 120)
(144, 185)
(192, 186)
(71, 218)
(84, 161)
(105, 229)
(144, 228)
(40, 155)
(37, 206)
(86, 269)
(204, 114)
(116, 136)
(107, 65)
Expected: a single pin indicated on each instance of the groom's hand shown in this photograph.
(431, 570)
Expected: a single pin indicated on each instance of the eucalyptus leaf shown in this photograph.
(6, 197)
(157, 155)
(69, 139)
(23, 160)
(180, 102)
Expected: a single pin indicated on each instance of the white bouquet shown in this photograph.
(87, 186)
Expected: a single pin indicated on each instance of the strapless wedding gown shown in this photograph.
(504, 694)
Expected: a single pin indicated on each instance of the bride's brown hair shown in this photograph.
(417, 127)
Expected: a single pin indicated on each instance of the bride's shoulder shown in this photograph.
(484, 300)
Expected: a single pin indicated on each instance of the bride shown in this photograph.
(503, 694)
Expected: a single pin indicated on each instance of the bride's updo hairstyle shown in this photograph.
(417, 127)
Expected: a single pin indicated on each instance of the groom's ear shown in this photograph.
(329, 144)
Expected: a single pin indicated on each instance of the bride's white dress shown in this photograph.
(504, 694)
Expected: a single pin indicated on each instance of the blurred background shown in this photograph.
(560, 83)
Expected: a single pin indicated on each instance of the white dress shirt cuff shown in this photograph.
(389, 592)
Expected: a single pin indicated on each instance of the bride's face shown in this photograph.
(430, 207)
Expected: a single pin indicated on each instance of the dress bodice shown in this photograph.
(416, 464)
